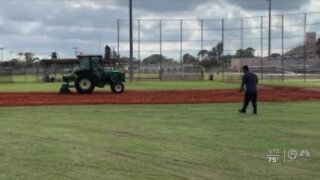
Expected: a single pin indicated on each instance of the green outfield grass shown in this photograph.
(288, 83)
(25, 78)
(210, 141)
(294, 83)
(137, 85)
(156, 85)
(29, 87)
(179, 85)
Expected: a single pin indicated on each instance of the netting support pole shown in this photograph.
(305, 49)
(139, 54)
(118, 39)
(241, 42)
(160, 38)
(131, 41)
(282, 48)
(222, 53)
(270, 23)
(261, 40)
(181, 48)
(201, 34)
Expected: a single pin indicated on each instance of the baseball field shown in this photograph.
(160, 130)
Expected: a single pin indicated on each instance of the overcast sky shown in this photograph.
(43, 26)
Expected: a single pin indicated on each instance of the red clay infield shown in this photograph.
(266, 94)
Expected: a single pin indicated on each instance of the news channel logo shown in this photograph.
(275, 155)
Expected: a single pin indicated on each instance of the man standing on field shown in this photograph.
(249, 85)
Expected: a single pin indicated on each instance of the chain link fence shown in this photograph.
(177, 43)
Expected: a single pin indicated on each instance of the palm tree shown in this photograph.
(20, 54)
(219, 49)
(54, 55)
(203, 54)
(213, 54)
(28, 56)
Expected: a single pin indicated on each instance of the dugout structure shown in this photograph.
(6, 75)
(54, 69)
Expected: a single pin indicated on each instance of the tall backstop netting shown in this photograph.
(294, 47)
(186, 72)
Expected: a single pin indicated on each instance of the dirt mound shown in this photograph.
(266, 94)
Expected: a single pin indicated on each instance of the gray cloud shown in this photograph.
(44, 26)
(60, 14)
(281, 5)
(163, 5)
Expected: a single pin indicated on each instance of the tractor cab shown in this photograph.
(91, 73)
(90, 62)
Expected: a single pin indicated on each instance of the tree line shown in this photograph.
(26, 59)
(206, 58)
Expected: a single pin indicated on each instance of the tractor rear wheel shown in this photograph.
(117, 87)
(84, 85)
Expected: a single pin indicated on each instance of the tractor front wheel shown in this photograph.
(84, 85)
(117, 87)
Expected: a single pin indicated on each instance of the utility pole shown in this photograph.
(131, 42)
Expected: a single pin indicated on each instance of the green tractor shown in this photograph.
(90, 74)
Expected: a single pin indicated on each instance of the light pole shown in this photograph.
(1, 49)
(10, 53)
(75, 50)
(100, 49)
(131, 42)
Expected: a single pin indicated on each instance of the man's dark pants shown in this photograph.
(249, 96)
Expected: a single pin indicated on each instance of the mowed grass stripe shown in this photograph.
(136, 85)
(208, 141)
